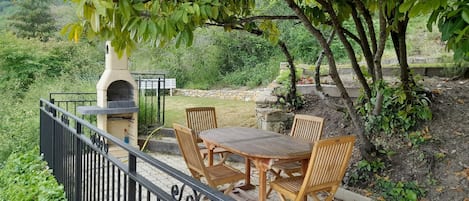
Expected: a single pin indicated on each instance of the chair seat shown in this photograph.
(291, 184)
(222, 173)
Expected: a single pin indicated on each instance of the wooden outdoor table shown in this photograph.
(262, 147)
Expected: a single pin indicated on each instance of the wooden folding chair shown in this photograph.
(326, 169)
(306, 127)
(204, 118)
(200, 119)
(214, 175)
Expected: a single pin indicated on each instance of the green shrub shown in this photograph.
(283, 91)
(363, 174)
(26, 176)
(284, 76)
(261, 74)
(23, 62)
(398, 191)
(398, 115)
(367, 174)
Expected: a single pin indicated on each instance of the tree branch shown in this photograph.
(351, 35)
(369, 21)
(348, 47)
(364, 42)
(268, 17)
(317, 75)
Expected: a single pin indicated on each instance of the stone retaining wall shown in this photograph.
(228, 94)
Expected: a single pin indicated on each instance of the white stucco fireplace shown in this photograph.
(117, 96)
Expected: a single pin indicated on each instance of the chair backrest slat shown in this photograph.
(328, 163)
(201, 118)
(307, 127)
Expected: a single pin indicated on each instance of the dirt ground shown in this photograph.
(441, 164)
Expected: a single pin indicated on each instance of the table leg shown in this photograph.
(247, 179)
(262, 185)
(260, 165)
(247, 167)
(210, 157)
(304, 166)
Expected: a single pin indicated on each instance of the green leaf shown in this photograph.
(94, 22)
(190, 37)
(461, 34)
(202, 12)
(406, 6)
(133, 23)
(87, 11)
(434, 4)
(465, 15)
(410, 195)
(155, 7)
(207, 11)
(196, 9)
(143, 27)
(124, 7)
(152, 28)
(432, 19)
(418, 8)
(214, 12)
(179, 40)
(185, 19)
(100, 7)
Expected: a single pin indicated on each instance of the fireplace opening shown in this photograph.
(120, 90)
(120, 94)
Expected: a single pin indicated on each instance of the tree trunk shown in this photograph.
(381, 44)
(378, 58)
(400, 45)
(292, 93)
(366, 147)
(317, 75)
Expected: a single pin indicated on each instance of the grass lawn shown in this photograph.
(229, 112)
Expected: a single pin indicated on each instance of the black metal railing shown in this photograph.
(71, 100)
(151, 100)
(92, 167)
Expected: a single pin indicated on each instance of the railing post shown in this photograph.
(132, 171)
(158, 101)
(78, 165)
(52, 110)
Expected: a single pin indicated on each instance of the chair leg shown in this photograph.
(224, 157)
(281, 196)
(331, 193)
(276, 175)
(229, 189)
(315, 198)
